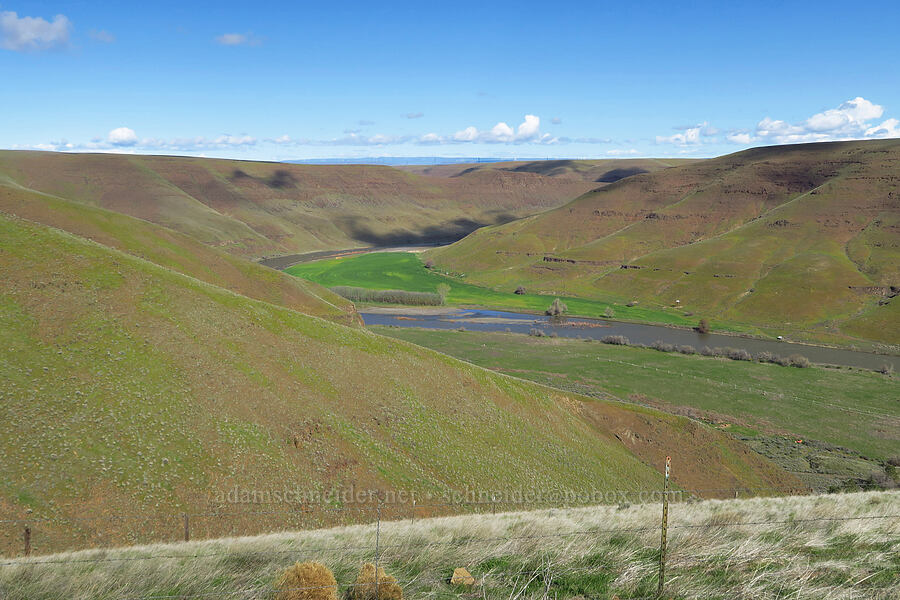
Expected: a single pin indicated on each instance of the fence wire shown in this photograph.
(415, 544)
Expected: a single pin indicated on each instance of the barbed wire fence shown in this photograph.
(387, 551)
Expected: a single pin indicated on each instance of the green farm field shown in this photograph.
(849, 421)
(406, 271)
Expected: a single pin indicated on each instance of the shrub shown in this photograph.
(632, 303)
(307, 581)
(364, 588)
(534, 331)
(885, 369)
(783, 361)
(557, 308)
(609, 313)
(703, 326)
(429, 264)
(520, 291)
(738, 354)
(686, 349)
(357, 294)
(707, 351)
(662, 346)
(616, 340)
(553, 334)
(442, 290)
(799, 361)
(766, 357)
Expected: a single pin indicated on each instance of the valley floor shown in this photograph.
(406, 271)
(801, 547)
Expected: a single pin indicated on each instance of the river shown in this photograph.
(493, 320)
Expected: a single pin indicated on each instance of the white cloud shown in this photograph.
(556, 120)
(530, 128)
(501, 133)
(238, 39)
(469, 134)
(620, 152)
(32, 34)
(416, 115)
(890, 128)
(102, 36)
(852, 120)
(689, 137)
(740, 137)
(430, 138)
(122, 136)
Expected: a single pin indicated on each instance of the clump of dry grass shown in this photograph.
(365, 588)
(307, 581)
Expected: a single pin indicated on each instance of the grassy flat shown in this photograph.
(406, 271)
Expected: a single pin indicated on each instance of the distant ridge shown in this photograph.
(405, 160)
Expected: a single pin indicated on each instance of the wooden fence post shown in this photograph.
(665, 527)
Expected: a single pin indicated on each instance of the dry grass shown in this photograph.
(799, 548)
(307, 581)
(374, 584)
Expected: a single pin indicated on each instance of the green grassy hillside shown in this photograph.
(848, 421)
(130, 388)
(177, 252)
(254, 208)
(801, 239)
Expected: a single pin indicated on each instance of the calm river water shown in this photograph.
(492, 320)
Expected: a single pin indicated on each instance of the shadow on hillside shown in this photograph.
(614, 175)
(444, 233)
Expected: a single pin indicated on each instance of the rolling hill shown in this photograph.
(132, 388)
(802, 239)
(256, 209)
(177, 252)
(600, 172)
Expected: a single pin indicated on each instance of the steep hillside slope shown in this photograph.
(600, 172)
(129, 388)
(794, 237)
(176, 251)
(255, 209)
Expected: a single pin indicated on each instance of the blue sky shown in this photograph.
(294, 80)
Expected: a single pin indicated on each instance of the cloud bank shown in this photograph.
(855, 119)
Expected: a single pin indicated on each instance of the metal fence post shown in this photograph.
(27, 536)
(665, 526)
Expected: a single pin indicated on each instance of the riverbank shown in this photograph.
(633, 332)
